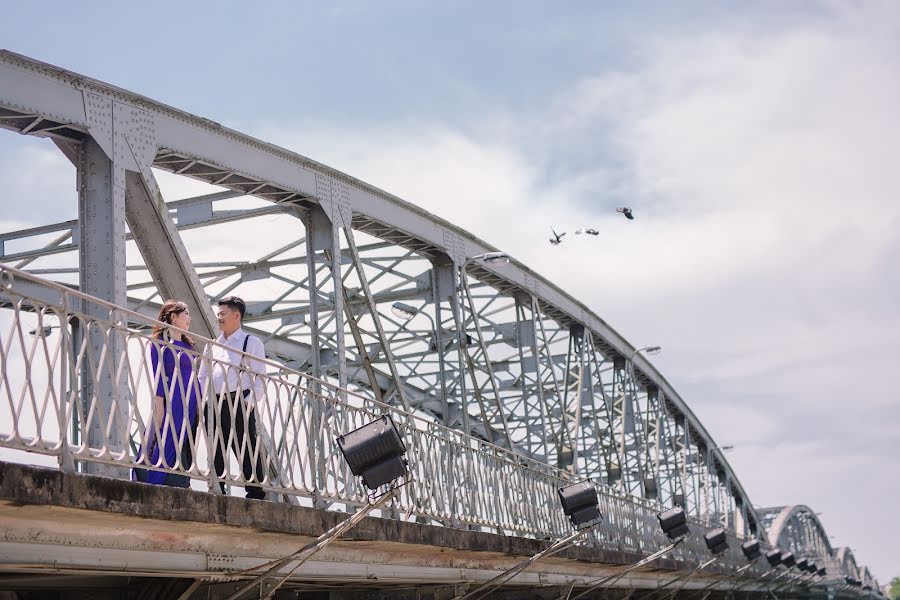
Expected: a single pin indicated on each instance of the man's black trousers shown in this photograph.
(231, 415)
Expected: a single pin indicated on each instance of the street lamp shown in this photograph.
(650, 350)
(407, 312)
(491, 258)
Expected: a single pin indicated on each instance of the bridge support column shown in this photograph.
(101, 239)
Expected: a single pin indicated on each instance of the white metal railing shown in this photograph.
(78, 384)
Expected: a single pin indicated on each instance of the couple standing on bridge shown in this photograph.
(231, 366)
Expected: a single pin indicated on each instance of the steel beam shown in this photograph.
(101, 212)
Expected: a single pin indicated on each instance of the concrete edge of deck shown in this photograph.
(30, 485)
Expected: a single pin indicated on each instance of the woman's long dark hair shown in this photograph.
(166, 312)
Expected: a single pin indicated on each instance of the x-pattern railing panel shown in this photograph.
(455, 479)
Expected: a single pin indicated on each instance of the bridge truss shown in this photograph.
(365, 291)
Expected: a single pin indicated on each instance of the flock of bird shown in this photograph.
(556, 240)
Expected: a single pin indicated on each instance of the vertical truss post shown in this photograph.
(577, 376)
(327, 329)
(329, 317)
(549, 382)
(608, 450)
(532, 386)
(476, 357)
(461, 341)
(629, 430)
(653, 459)
(640, 440)
(571, 415)
(697, 472)
(315, 354)
(441, 283)
(673, 473)
(101, 215)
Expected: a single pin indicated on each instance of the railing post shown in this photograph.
(66, 463)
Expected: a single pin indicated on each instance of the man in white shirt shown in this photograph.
(235, 387)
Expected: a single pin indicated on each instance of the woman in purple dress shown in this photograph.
(174, 423)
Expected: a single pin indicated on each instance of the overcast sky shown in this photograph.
(755, 142)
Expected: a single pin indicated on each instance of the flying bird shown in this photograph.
(556, 240)
(588, 231)
(625, 211)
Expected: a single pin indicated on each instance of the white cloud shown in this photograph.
(762, 173)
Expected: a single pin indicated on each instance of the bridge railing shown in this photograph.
(79, 383)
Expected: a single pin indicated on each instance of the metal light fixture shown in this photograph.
(822, 571)
(674, 523)
(492, 258)
(716, 540)
(649, 350)
(774, 557)
(788, 559)
(751, 549)
(801, 564)
(404, 311)
(375, 452)
(407, 312)
(580, 503)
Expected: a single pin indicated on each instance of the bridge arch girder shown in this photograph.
(44, 100)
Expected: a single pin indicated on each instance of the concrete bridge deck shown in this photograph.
(95, 532)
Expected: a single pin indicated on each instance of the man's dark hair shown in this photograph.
(234, 303)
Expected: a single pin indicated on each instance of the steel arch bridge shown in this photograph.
(370, 292)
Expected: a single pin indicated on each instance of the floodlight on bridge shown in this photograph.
(580, 503)
(674, 523)
(716, 540)
(801, 564)
(788, 559)
(822, 571)
(752, 553)
(374, 452)
(751, 550)
(773, 557)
